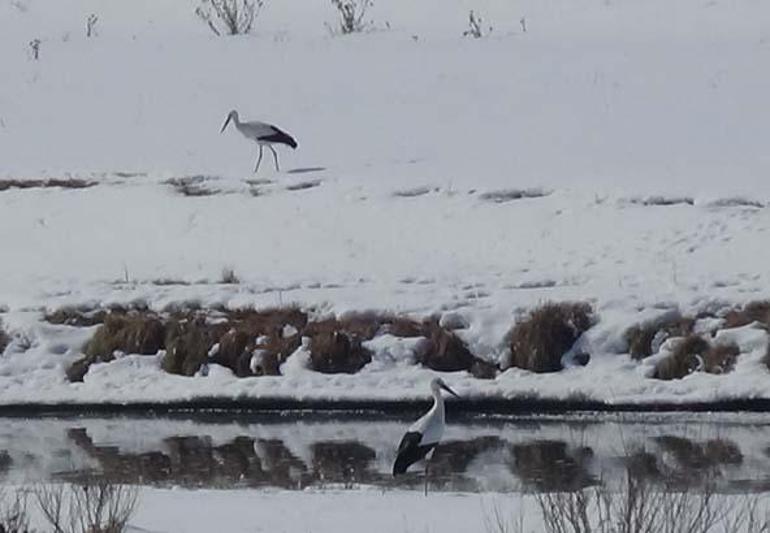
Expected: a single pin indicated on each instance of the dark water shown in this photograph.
(224, 450)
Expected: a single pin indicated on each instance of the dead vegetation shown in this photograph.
(664, 201)
(229, 17)
(72, 316)
(441, 349)
(507, 195)
(414, 192)
(69, 183)
(646, 497)
(133, 332)
(766, 358)
(193, 186)
(645, 339)
(756, 311)
(229, 277)
(352, 16)
(91, 506)
(14, 513)
(695, 354)
(303, 185)
(5, 340)
(336, 351)
(476, 27)
(256, 342)
(539, 341)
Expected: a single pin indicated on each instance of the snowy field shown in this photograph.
(178, 511)
(637, 129)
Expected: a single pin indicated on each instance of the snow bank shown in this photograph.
(641, 126)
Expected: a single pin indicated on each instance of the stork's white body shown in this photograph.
(255, 130)
(263, 134)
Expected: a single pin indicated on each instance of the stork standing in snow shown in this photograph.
(421, 439)
(263, 134)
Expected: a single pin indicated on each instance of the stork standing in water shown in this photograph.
(263, 134)
(421, 439)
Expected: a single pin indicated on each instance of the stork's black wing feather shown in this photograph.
(410, 451)
(279, 137)
(410, 440)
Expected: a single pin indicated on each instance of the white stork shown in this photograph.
(422, 437)
(263, 134)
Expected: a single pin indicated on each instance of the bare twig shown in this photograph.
(352, 13)
(34, 45)
(93, 506)
(14, 517)
(229, 17)
(475, 28)
(91, 25)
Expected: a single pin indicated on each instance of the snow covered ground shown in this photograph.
(185, 511)
(412, 142)
(178, 511)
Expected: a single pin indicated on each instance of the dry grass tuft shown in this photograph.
(333, 352)
(507, 195)
(256, 342)
(91, 506)
(336, 343)
(167, 282)
(766, 358)
(757, 311)
(71, 183)
(442, 349)
(658, 200)
(5, 340)
(644, 339)
(192, 186)
(268, 337)
(133, 332)
(229, 277)
(187, 343)
(694, 353)
(14, 514)
(540, 340)
(445, 351)
(71, 316)
(720, 359)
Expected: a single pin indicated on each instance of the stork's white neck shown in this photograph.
(438, 404)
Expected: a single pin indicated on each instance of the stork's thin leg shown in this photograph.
(426, 476)
(275, 157)
(259, 159)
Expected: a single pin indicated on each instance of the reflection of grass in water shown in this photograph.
(525, 455)
(634, 503)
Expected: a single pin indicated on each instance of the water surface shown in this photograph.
(301, 450)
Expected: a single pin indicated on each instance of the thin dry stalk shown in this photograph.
(14, 517)
(475, 28)
(229, 17)
(352, 13)
(638, 505)
(94, 506)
